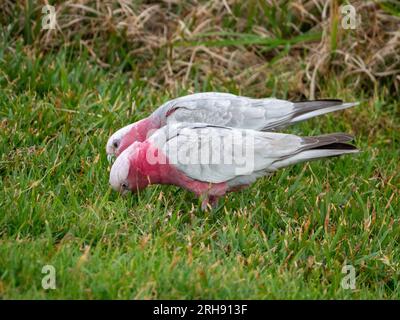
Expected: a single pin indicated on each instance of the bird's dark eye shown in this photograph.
(115, 144)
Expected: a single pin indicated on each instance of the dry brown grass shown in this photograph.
(172, 42)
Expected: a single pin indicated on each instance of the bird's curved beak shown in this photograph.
(124, 193)
(111, 158)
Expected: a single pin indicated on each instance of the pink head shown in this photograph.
(126, 173)
(123, 138)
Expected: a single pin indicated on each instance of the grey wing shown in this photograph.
(229, 110)
(216, 154)
(220, 154)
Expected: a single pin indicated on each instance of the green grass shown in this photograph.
(287, 236)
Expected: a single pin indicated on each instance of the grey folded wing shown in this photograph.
(218, 154)
(228, 110)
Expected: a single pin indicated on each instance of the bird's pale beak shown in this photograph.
(111, 158)
(124, 193)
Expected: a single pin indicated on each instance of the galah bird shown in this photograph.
(166, 157)
(222, 109)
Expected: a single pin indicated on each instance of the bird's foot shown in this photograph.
(209, 202)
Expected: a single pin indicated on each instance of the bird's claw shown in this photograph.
(209, 202)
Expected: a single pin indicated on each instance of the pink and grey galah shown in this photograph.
(212, 160)
(222, 109)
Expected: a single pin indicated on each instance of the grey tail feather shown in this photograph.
(327, 141)
(324, 146)
(304, 110)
